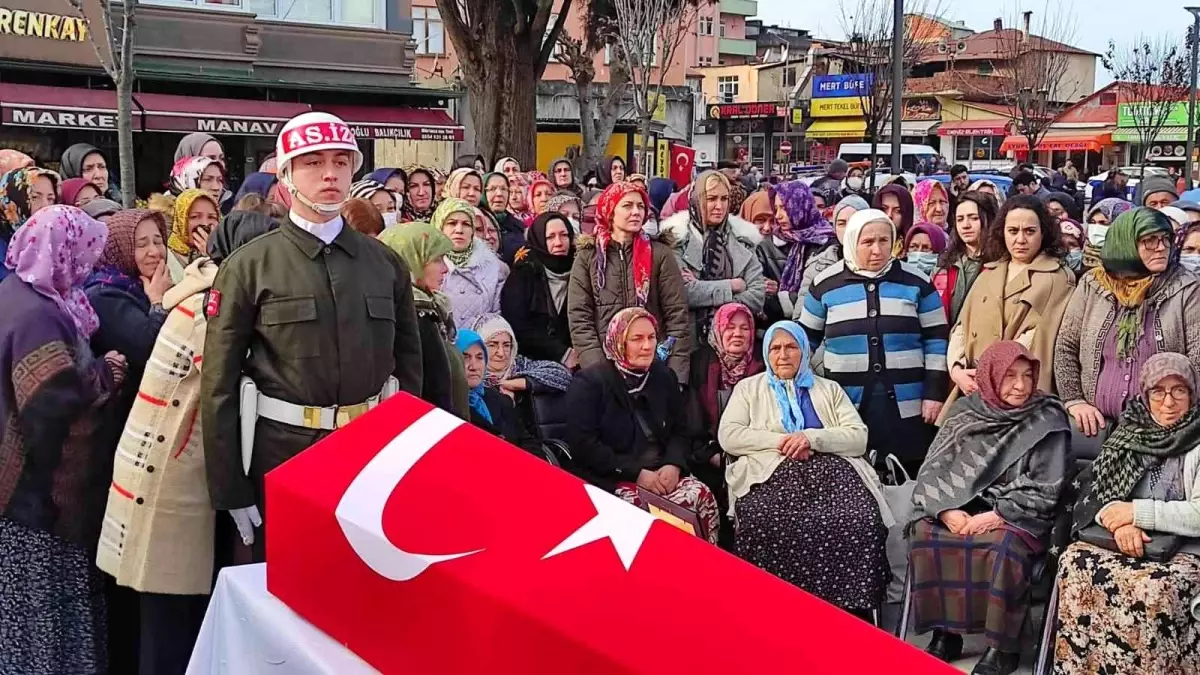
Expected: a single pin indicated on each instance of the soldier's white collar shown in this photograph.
(326, 232)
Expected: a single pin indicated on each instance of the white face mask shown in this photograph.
(389, 219)
(1097, 234)
(923, 260)
(1190, 262)
(854, 183)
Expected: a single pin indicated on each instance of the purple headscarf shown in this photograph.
(807, 229)
(54, 252)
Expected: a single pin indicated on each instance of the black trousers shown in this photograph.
(888, 433)
(170, 624)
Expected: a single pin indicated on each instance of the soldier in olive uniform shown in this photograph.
(315, 315)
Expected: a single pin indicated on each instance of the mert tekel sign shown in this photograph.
(50, 31)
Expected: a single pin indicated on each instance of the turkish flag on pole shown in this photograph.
(428, 546)
(683, 161)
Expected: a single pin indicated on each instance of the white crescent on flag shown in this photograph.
(360, 510)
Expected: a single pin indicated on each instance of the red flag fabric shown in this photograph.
(683, 161)
(426, 545)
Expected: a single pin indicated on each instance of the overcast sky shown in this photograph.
(1096, 21)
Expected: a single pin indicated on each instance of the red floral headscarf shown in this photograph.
(642, 254)
(733, 368)
(618, 332)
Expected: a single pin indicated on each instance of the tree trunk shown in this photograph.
(125, 108)
(875, 158)
(504, 98)
(644, 137)
(587, 128)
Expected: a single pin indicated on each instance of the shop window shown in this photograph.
(704, 61)
(428, 30)
(341, 12)
(962, 148)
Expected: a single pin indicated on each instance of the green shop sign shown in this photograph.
(1130, 114)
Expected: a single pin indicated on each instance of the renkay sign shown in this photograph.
(51, 31)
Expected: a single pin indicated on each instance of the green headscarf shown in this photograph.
(419, 244)
(441, 213)
(1120, 253)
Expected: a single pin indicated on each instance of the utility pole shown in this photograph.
(1191, 127)
(898, 81)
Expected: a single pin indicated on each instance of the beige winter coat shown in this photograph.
(158, 526)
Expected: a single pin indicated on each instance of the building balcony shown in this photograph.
(740, 7)
(737, 47)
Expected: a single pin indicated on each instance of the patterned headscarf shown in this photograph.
(733, 367)
(13, 159)
(54, 253)
(185, 175)
(795, 405)
(921, 195)
(488, 326)
(994, 363)
(119, 258)
(561, 199)
(850, 241)
(737, 197)
(14, 197)
(499, 168)
(518, 184)
(454, 182)
(179, 241)
(983, 182)
(368, 187)
(642, 252)
(1111, 207)
(1139, 443)
(715, 261)
(464, 340)
(618, 333)
(409, 212)
(807, 228)
(534, 184)
(443, 211)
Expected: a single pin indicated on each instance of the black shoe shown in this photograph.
(996, 662)
(945, 646)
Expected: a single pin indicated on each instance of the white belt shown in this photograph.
(312, 417)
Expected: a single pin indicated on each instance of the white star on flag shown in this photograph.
(621, 522)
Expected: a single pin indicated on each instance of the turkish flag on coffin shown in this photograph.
(428, 546)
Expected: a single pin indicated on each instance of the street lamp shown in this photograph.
(1191, 133)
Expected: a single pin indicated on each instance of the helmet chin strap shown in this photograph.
(325, 209)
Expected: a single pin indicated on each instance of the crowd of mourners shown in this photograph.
(752, 353)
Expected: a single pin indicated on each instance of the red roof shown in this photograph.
(997, 45)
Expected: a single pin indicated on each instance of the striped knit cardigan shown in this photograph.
(889, 330)
(159, 524)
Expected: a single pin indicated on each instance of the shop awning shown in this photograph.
(837, 128)
(1168, 134)
(58, 107)
(1092, 142)
(408, 124)
(973, 128)
(222, 116)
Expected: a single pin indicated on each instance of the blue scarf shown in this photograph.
(795, 404)
(462, 342)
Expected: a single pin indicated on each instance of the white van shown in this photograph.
(910, 155)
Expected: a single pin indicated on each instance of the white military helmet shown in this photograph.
(312, 132)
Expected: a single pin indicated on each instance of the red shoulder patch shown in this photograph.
(213, 306)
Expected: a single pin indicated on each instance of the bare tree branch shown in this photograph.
(648, 35)
(1155, 76)
(1033, 66)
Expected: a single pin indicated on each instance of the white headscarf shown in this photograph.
(854, 229)
(488, 326)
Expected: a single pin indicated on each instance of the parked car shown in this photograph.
(910, 155)
(1134, 173)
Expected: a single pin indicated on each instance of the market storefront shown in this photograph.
(44, 121)
(976, 143)
(1086, 146)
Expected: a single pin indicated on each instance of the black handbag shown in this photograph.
(1161, 547)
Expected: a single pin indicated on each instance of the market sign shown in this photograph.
(922, 110)
(1143, 114)
(398, 132)
(841, 86)
(836, 107)
(59, 118)
(745, 111)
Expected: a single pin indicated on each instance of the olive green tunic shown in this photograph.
(310, 324)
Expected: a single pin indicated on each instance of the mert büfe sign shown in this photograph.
(841, 86)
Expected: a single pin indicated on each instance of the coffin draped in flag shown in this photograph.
(428, 546)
